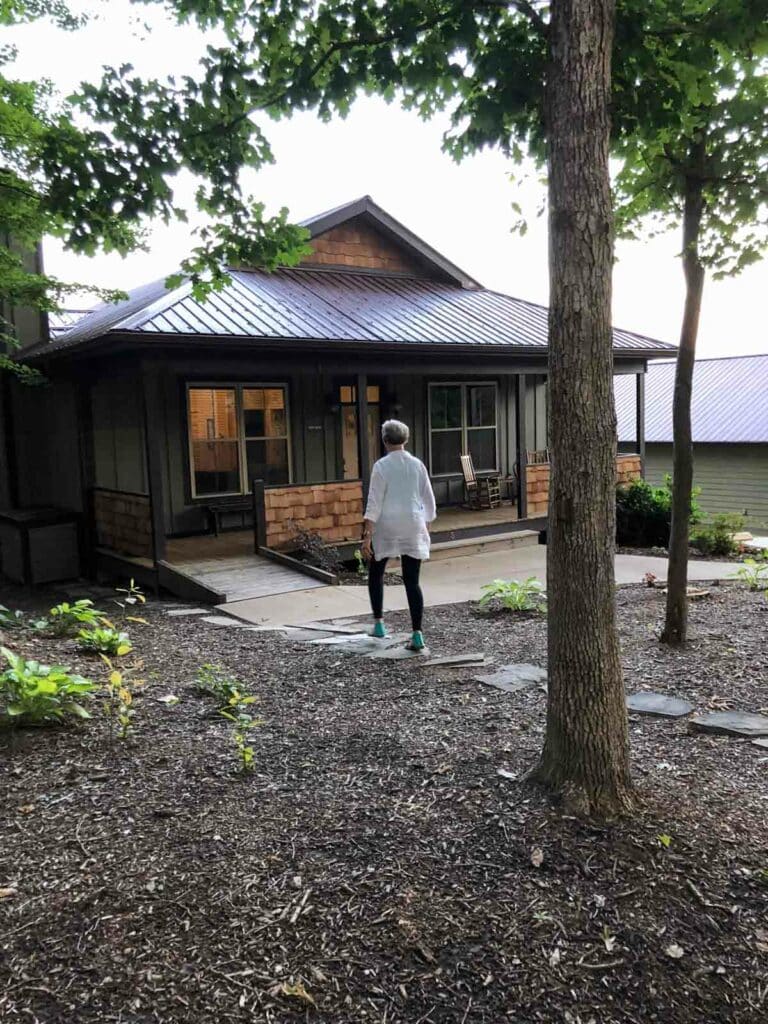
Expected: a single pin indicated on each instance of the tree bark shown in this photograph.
(586, 750)
(676, 622)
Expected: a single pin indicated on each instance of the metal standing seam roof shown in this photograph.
(729, 404)
(334, 306)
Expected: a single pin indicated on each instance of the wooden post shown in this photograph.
(259, 517)
(364, 448)
(521, 394)
(87, 528)
(640, 419)
(154, 442)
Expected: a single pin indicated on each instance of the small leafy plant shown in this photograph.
(216, 682)
(11, 619)
(242, 723)
(104, 640)
(649, 579)
(514, 595)
(120, 707)
(66, 619)
(35, 694)
(753, 572)
(133, 596)
(360, 563)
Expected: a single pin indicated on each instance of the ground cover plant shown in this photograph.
(67, 618)
(383, 857)
(104, 640)
(717, 537)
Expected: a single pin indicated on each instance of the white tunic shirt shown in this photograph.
(400, 504)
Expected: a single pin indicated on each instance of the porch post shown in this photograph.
(364, 448)
(154, 441)
(521, 393)
(640, 418)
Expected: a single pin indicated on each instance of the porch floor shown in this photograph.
(454, 518)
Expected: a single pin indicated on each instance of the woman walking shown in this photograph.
(400, 504)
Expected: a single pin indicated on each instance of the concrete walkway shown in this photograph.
(449, 581)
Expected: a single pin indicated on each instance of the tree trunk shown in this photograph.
(586, 749)
(676, 623)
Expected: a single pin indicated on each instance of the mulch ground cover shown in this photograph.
(375, 866)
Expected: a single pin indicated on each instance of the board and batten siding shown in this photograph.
(732, 477)
(118, 435)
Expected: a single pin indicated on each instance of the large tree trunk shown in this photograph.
(676, 622)
(586, 750)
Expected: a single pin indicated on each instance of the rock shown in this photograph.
(512, 678)
(731, 723)
(645, 703)
(761, 743)
(225, 620)
(178, 613)
(398, 654)
(451, 660)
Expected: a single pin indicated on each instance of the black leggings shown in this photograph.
(411, 570)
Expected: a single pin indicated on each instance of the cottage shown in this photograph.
(730, 432)
(163, 410)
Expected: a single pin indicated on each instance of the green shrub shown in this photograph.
(717, 538)
(35, 694)
(104, 640)
(66, 619)
(644, 513)
(515, 596)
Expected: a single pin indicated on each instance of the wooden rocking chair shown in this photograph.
(481, 491)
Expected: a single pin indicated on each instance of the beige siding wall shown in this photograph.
(732, 477)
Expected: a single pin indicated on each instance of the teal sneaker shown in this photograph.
(379, 630)
(416, 643)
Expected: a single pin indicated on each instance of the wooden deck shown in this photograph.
(226, 566)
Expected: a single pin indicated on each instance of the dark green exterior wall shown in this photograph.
(732, 477)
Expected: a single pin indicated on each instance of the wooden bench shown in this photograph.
(215, 508)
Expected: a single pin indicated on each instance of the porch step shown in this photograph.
(482, 545)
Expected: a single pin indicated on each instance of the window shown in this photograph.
(462, 418)
(237, 433)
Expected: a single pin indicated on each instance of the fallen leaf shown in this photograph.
(610, 942)
(675, 951)
(297, 991)
(170, 699)
(554, 957)
(7, 893)
(505, 774)
(26, 809)
(537, 856)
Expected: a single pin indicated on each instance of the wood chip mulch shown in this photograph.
(375, 866)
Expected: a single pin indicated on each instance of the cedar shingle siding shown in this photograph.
(732, 477)
(355, 244)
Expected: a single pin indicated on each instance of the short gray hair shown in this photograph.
(394, 432)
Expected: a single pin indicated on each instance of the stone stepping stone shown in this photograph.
(645, 703)
(456, 660)
(178, 613)
(225, 620)
(323, 627)
(334, 640)
(301, 636)
(731, 723)
(371, 645)
(400, 653)
(512, 678)
(761, 743)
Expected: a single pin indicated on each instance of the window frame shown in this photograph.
(464, 428)
(238, 387)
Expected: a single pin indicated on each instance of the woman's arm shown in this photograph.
(376, 491)
(427, 496)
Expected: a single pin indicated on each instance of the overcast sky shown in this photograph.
(463, 210)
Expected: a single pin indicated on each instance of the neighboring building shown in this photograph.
(730, 431)
(164, 406)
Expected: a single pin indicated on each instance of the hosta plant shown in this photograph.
(35, 694)
(10, 619)
(104, 640)
(515, 595)
(67, 618)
